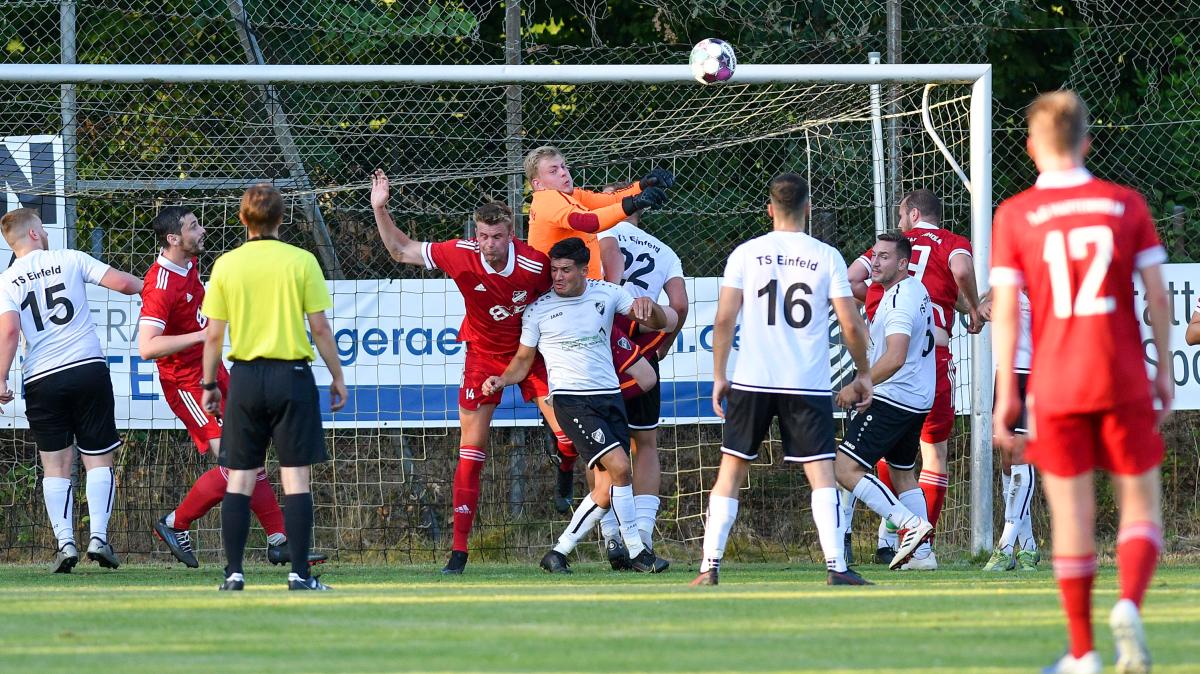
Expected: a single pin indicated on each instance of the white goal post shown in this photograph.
(978, 76)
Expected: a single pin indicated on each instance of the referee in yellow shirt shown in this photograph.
(263, 289)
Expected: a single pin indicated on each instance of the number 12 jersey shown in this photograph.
(787, 280)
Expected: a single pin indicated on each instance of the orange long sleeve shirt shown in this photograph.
(554, 216)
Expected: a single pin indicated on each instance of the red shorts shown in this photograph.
(480, 365)
(185, 403)
(1121, 440)
(940, 420)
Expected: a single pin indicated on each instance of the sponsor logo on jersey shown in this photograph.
(520, 296)
(598, 435)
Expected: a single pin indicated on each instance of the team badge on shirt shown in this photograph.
(599, 308)
(519, 296)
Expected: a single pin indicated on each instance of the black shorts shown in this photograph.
(644, 410)
(272, 400)
(805, 425)
(1022, 387)
(73, 406)
(595, 423)
(884, 431)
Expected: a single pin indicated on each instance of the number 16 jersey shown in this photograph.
(48, 288)
(787, 280)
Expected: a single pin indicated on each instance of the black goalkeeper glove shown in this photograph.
(651, 197)
(658, 178)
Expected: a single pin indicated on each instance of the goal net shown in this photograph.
(100, 158)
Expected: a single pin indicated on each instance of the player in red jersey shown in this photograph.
(1075, 243)
(498, 276)
(171, 333)
(941, 261)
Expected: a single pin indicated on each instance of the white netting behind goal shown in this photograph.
(447, 148)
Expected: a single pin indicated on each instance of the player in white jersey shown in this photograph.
(1017, 480)
(646, 267)
(903, 369)
(783, 283)
(571, 326)
(68, 392)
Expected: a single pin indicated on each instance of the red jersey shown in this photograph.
(495, 299)
(171, 299)
(932, 250)
(1075, 242)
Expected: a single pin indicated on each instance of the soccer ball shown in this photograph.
(712, 61)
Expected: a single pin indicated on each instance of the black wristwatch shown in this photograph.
(210, 386)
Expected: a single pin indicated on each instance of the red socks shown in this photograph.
(884, 475)
(934, 485)
(201, 498)
(1075, 576)
(265, 507)
(567, 449)
(1138, 545)
(466, 493)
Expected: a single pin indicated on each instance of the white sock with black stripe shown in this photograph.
(647, 515)
(826, 512)
(586, 516)
(101, 493)
(56, 491)
(722, 512)
(879, 498)
(626, 511)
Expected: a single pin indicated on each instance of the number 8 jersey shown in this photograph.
(787, 280)
(1075, 243)
(48, 288)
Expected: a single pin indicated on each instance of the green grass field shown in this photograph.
(516, 619)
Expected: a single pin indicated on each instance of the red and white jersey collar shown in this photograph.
(508, 268)
(165, 263)
(1062, 179)
(925, 225)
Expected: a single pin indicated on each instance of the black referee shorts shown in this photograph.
(272, 400)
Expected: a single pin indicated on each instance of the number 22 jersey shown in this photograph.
(1075, 243)
(787, 280)
(48, 288)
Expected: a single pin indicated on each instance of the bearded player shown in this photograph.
(171, 333)
(498, 276)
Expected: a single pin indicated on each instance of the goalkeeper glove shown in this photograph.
(651, 197)
(658, 178)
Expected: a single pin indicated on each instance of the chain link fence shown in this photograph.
(386, 494)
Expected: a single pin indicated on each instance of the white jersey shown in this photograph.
(649, 263)
(48, 288)
(1024, 357)
(905, 310)
(787, 280)
(573, 335)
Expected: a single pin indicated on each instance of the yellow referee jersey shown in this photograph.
(263, 289)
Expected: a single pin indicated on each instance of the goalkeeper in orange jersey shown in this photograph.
(560, 210)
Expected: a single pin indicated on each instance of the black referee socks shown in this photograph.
(235, 528)
(298, 521)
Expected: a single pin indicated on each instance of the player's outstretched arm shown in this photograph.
(643, 373)
(857, 393)
(1159, 307)
(963, 269)
(399, 245)
(10, 336)
(677, 299)
(611, 260)
(857, 274)
(119, 281)
(323, 337)
(649, 313)
(517, 370)
(729, 303)
(153, 344)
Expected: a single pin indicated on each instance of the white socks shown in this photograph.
(826, 511)
(722, 511)
(647, 514)
(586, 516)
(1018, 516)
(609, 528)
(101, 492)
(847, 499)
(56, 491)
(625, 510)
(879, 498)
(914, 500)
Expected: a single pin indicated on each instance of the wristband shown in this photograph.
(210, 386)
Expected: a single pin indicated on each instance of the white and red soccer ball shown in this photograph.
(712, 61)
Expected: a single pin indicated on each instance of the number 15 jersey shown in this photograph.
(1075, 243)
(48, 288)
(787, 280)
